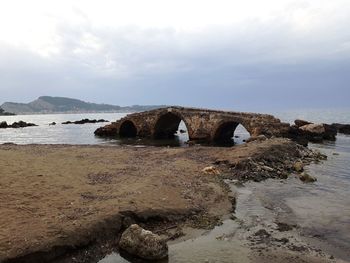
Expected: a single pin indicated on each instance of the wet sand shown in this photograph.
(56, 199)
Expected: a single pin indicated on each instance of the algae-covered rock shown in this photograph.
(143, 243)
(298, 167)
(306, 178)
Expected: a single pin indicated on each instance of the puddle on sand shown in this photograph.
(216, 245)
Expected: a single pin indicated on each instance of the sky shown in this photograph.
(226, 54)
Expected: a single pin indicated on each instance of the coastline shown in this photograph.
(89, 194)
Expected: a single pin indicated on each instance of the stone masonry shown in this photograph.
(202, 124)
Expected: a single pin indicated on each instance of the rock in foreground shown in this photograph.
(143, 243)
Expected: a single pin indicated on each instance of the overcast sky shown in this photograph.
(244, 55)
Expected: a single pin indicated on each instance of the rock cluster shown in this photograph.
(143, 243)
(304, 131)
(19, 124)
(83, 121)
(279, 162)
(342, 128)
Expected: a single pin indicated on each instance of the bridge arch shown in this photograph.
(224, 131)
(167, 124)
(127, 129)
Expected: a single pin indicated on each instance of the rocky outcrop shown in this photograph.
(107, 131)
(143, 243)
(83, 121)
(20, 124)
(342, 128)
(318, 132)
(313, 132)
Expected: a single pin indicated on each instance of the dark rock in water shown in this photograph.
(143, 243)
(182, 131)
(300, 123)
(3, 124)
(319, 132)
(83, 121)
(67, 122)
(306, 178)
(20, 124)
(52, 123)
(342, 128)
(312, 132)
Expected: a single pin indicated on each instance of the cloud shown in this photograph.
(291, 57)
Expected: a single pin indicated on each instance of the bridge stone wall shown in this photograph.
(202, 124)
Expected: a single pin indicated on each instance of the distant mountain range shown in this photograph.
(47, 104)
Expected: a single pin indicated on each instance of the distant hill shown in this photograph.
(4, 113)
(47, 104)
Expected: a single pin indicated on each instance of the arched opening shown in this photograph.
(127, 129)
(230, 133)
(170, 126)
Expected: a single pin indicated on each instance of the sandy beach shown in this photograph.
(56, 199)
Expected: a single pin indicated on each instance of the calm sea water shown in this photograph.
(321, 209)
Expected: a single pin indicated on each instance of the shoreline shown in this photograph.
(103, 179)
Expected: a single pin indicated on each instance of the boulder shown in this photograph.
(298, 167)
(142, 243)
(300, 123)
(313, 128)
(345, 129)
(342, 128)
(318, 132)
(52, 123)
(3, 124)
(306, 178)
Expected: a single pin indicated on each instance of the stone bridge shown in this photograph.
(202, 124)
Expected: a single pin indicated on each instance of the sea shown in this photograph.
(320, 209)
